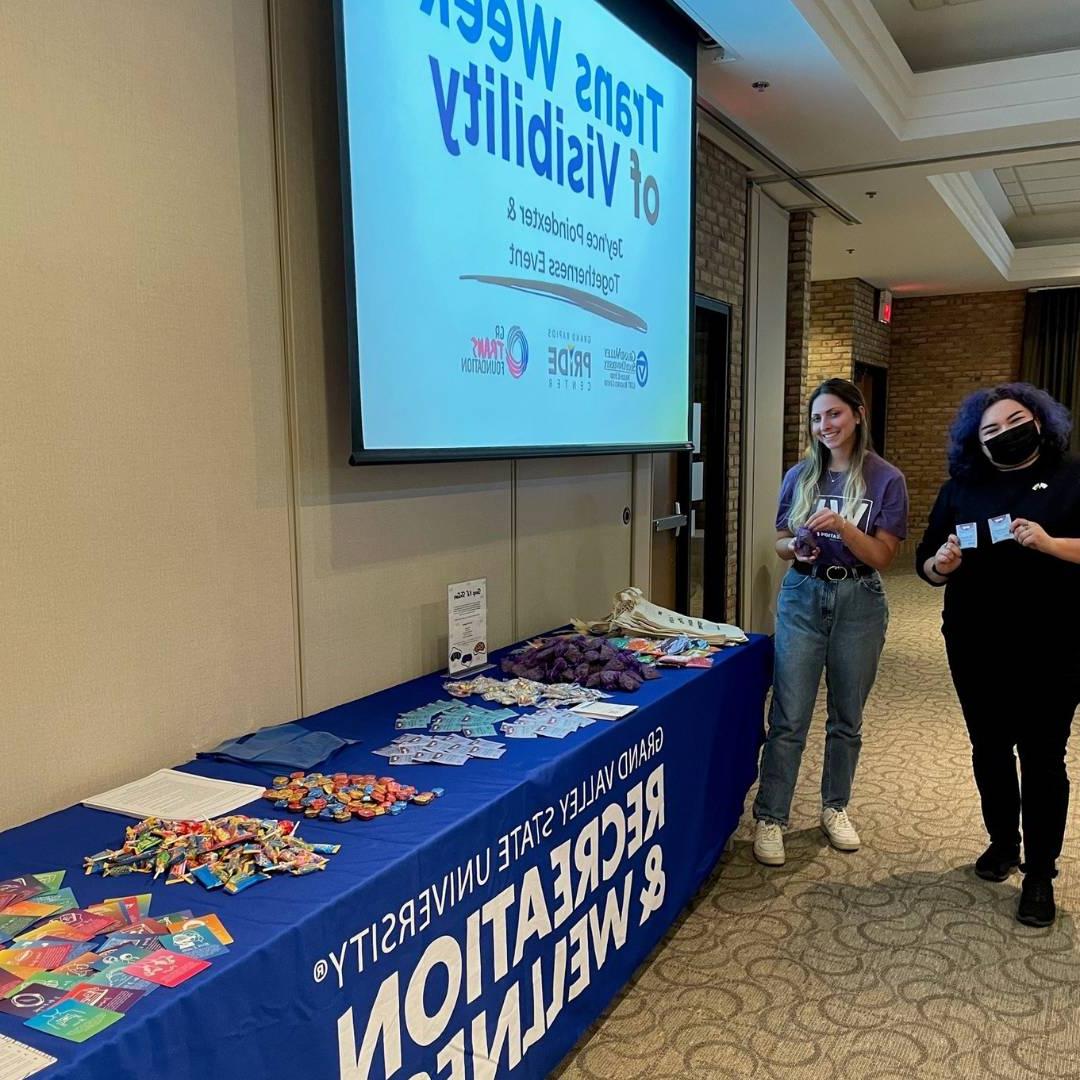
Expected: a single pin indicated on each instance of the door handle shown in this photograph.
(676, 521)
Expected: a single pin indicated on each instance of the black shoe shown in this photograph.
(1037, 906)
(996, 864)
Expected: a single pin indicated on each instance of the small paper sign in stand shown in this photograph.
(467, 638)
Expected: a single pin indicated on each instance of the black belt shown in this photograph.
(836, 572)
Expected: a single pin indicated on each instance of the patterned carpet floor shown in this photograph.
(893, 963)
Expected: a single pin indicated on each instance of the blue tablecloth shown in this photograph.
(475, 937)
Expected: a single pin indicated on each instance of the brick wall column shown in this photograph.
(800, 247)
(720, 273)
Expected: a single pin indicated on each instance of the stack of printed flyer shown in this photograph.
(633, 614)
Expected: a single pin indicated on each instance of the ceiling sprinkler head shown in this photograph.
(760, 86)
(871, 194)
(851, 251)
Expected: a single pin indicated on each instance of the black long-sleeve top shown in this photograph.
(1004, 589)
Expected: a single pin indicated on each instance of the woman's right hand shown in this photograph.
(948, 556)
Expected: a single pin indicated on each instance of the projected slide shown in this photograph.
(518, 173)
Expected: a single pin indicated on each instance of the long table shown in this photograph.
(478, 936)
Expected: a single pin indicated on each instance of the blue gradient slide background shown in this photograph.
(423, 218)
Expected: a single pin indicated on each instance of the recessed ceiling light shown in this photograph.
(760, 86)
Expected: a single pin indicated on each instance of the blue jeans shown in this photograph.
(839, 627)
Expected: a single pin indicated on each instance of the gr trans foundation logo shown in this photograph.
(501, 353)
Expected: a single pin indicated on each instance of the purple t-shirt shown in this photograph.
(885, 506)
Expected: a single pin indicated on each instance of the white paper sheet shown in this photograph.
(603, 710)
(171, 794)
(18, 1061)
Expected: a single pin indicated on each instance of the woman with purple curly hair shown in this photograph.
(1004, 538)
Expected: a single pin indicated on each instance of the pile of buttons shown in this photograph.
(344, 795)
(232, 852)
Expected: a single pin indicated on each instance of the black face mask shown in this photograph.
(1014, 446)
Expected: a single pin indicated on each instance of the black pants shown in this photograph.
(1023, 700)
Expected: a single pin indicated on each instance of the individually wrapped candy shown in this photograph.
(233, 853)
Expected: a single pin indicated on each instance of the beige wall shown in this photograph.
(184, 553)
(764, 416)
(145, 559)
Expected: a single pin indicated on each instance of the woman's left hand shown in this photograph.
(1030, 534)
(827, 521)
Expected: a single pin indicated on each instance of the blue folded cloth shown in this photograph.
(288, 745)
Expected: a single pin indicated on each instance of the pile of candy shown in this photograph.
(343, 796)
(523, 692)
(681, 651)
(581, 660)
(232, 852)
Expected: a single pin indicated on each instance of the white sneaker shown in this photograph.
(839, 830)
(769, 843)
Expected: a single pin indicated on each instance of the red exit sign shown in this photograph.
(884, 306)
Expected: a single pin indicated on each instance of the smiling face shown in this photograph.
(834, 423)
(1000, 417)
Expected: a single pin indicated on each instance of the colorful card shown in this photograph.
(477, 731)
(166, 968)
(75, 948)
(60, 900)
(211, 922)
(73, 1021)
(117, 998)
(81, 925)
(83, 966)
(174, 917)
(145, 928)
(403, 759)
(55, 978)
(8, 982)
(35, 956)
(138, 906)
(51, 880)
(119, 977)
(30, 999)
(126, 954)
(198, 941)
(15, 890)
(12, 926)
(407, 723)
(121, 938)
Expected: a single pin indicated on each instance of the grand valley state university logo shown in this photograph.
(641, 369)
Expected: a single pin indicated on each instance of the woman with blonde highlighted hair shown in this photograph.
(842, 514)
